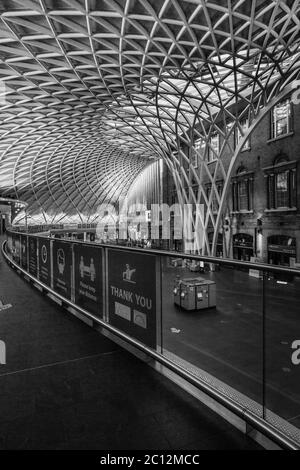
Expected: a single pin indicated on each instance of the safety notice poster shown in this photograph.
(44, 261)
(88, 278)
(62, 265)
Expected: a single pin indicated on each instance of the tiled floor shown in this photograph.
(67, 387)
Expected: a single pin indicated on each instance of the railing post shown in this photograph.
(73, 296)
(105, 290)
(51, 264)
(38, 248)
(265, 278)
(161, 308)
(159, 313)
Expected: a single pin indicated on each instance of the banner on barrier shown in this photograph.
(44, 261)
(88, 278)
(62, 266)
(132, 294)
(16, 248)
(33, 259)
(24, 252)
(9, 243)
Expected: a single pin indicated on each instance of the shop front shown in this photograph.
(281, 250)
(243, 246)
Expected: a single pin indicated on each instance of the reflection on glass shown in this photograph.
(212, 325)
(282, 352)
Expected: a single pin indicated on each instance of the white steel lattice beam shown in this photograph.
(95, 90)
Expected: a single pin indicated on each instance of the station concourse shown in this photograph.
(149, 225)
(65, 386)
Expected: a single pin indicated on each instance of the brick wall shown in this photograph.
(261, 154)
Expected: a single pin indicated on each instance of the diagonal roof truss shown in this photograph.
(93, 90)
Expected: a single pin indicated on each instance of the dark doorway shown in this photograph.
(281, 248)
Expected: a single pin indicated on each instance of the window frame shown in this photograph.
(215, 204)
(273, 130)
(196, 150)
(211, 154)
(238, 136)
(271, 175)
(247, 178)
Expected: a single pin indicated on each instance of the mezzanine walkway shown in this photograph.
(65, 386)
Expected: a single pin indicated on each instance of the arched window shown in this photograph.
(238, 134)
(281, 119)
(281, 158)
(214, 147)
(241, 169)
(198, 152)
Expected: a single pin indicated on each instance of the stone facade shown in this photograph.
(260, 220)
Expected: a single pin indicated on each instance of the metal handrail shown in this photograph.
(258, 423)
(174, 254)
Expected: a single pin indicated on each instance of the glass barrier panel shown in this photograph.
(212, 326)
(282, 352)
(16, 248)
(9, 243)
(132, 294)
(237, 329)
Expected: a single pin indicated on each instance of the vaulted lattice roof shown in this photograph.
(92, 90)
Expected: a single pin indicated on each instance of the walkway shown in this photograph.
(65, 386)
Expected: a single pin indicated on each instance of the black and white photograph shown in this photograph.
(149, 229)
